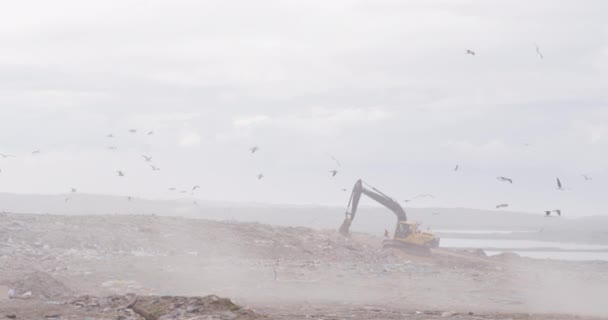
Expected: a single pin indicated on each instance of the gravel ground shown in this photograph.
(50, 261)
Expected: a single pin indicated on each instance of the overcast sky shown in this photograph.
(384, 86)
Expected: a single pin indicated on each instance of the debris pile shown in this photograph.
(129, 307)
(38, 285)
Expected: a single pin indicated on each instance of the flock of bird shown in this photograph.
(148, 159)
(548, 213)
(333, 172)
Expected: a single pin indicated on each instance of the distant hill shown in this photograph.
(369, 219)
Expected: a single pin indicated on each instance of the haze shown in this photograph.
(384, 86)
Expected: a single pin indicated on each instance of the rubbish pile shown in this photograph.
(37, 285)
(165, 308)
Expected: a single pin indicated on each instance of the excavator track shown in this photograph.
(407, 247)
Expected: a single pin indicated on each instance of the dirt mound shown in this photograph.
(161, 308)
(167, 307)
(39, 285)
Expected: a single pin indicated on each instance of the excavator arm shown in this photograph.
(373, 193)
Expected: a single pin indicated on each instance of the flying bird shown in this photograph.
(129, 198)
(336, 160)
(66, 200)
(502, 205)
(587, 177)
(456, 168)
(154, 168)
(540, 54)
(260, 176)
(172, 189)
(150, 133)
(110, 136)
(183, 191)
(74, 190)
(254, 149)
(196, 187)
(471, 52)
(333, 173)
(133, 130)
(559, 212)
(4, 156)
(505, 179)
(112, 148)
(148, 159)
(559, 184)
(547, 213)
(120, 173)
(35, 152)
(344, 189)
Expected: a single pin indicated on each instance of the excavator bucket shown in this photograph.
(344, 228)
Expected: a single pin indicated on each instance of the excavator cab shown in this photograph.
(407, 235)
(404, 229)
(410, 233)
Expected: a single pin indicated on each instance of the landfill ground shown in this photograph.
(153, 267)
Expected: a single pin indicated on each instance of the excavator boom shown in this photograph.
(375, 194)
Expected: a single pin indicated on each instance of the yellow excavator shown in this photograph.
(407, 236)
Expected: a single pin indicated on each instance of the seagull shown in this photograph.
(110, 136)
(112, 148)
(336, 160)
(456, 168)
(558, 211)
(172, 189)
(183, 191)
(150, 133)
(133, 130)
(195, 187)
(333, 173)
(129, 198)
(502, 205)
(471, 52)
(148, 159)
(538, 52)
(120, 173)
(260, 176)
(547, 213)
(74, 190)
(254, 149)
(4, 156)
(154, 168)
(587, 177)
(344, 189)
(559, 185)
(505, 179)
(35, 152)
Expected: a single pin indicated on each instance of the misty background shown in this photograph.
(385, 87)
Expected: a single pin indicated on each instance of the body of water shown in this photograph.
(526, 248)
